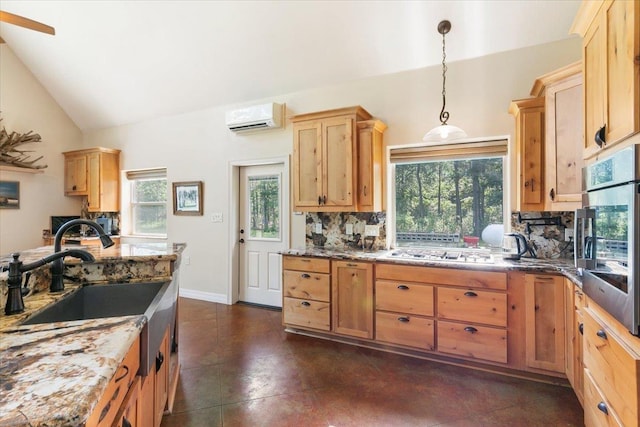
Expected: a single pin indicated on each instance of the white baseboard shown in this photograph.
(203, 296)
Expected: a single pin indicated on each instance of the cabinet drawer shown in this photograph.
(443, 276)
(406, 330)
(597, 412)
(470, 305)
(404, 297)
(318, 265)
(478, 342)
(613, 369)
(307, 313)
(300, 284)
(105, 412)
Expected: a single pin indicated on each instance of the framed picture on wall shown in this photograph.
(187, 198)
(9, 195)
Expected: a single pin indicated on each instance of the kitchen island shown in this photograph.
(55, 374)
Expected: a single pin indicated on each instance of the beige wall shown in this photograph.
(197, 146)
(25, 105)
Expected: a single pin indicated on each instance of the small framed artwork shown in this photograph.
(9, 195)
(187, 198)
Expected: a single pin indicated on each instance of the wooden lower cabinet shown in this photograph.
(612, 367)
(545, 322)
(405, 330)
(473, 341)
(574, 366)
(472, 305)
(352, 298)
(130, 414)
(306, 292)
(105, 412)
(155, 387)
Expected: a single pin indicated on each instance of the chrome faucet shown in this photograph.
(15, 303)
(57, 266)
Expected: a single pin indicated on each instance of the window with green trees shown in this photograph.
(443, 194)
(148, 201)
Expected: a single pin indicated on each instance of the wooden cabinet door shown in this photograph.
(594, 84)
(545, 324)
(130, 413)
(338, 162)
(623, 69)
(564, 129)
(529, 114)
(162, 379)
(307, 165)
(147, 399)
(370, 184)
(94, 194)
(352, 298)
(75, 175)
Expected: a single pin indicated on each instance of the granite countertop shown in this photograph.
(54, 374)
(535, 265)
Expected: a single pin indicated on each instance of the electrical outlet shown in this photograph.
(568, 234)
(318, 228)
(187, 260)
(371, 230)
(216, 217)
(348, 229)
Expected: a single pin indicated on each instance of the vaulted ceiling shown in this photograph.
(117, 62)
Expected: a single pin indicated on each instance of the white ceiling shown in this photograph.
(119, 62)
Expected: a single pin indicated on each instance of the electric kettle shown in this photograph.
(514, 245)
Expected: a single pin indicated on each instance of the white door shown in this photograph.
(262, 226)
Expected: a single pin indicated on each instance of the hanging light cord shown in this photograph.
(444, 115)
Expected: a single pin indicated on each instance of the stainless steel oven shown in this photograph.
(607, 235)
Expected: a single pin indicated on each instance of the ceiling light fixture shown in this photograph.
(444, 132)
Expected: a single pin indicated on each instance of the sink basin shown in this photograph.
(155, 300)
(98, 301)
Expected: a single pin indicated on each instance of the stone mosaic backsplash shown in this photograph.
(545, 231)
(335, 226)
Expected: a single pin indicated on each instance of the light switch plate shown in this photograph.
(216, 217)
(318, 228)
(568, 234)
(349, 229)
(371, 230)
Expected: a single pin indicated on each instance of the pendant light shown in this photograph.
(444, 132)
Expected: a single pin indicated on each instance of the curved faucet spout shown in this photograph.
(57, 266)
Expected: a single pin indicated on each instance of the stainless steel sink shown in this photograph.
(155, 300)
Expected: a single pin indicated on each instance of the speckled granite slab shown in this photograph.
(54, 374)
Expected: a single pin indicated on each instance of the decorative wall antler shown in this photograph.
(11, 155)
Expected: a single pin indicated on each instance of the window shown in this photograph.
(446, 195)
(148, 202)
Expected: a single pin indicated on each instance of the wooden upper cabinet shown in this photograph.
(529, 115)
(75, 175)
(564, 136)
(94, 173)
(611, 67)
(334, 159)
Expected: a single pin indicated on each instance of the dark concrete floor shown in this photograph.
(239, 368)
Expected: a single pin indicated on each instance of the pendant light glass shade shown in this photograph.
(444, 133)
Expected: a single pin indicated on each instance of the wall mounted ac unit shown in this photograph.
(263, 116)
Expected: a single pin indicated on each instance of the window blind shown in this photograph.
(463, 150)
(146, 173)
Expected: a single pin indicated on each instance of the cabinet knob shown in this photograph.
(305, 276)
(603, 407)
(74, 188)
(403, 319)
(581, 328)
(319, 200)
(305, 303)
(600, 136)
(403, 287)
(602, 334)
(529, 184)
(470, 329)
(470, 294)
(125, 422)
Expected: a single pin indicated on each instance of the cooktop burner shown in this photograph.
(479, 256)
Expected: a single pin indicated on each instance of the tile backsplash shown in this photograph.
(545, 231)
(335, 226)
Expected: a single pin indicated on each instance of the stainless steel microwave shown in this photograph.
(607, 235)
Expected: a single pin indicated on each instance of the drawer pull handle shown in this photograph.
(403, 287)
(581, 328)
(470, 294)
(603, 407)
(126, 372)
(470, 329)
(403, 319)
(125, 422)
(305, 260)
(349, 264)
(159, 361)
(305, 303)
(602, 334)
(305, 276)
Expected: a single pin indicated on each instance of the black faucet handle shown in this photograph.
(25, 289)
